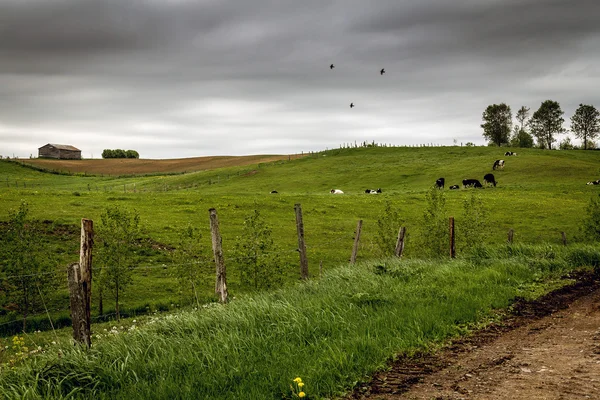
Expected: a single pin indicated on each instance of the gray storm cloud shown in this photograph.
(168, 77)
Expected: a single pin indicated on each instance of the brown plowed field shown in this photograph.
(548, 349)
(130, 166)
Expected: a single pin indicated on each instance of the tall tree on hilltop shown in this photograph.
(497, 123)
(547, 122)
(522, 116)
(585, 123)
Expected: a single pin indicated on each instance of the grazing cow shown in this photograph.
(373, 191)
(273, 191)
(336, 191)
(510, 153)
(440, 183)
(454, 187)
(498, 164)
(489, 178)
(596, 182)
(472, 182)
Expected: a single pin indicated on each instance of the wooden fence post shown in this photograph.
(564, 238)
(400, 242)
(217, 242)
(511, 233)
(80, 286)
(301, 244)
(76, 301)
(452, 240)
(356, 240)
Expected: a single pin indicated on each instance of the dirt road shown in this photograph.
(548, 349)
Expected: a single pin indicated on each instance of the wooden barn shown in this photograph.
(60, 151)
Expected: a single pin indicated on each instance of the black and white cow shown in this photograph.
(336, 191)
(454, 187)
(440, 183)
(498, 164)
(373, 191)
(510, 153)
(596, 182)
(489, 178)
(471, 183)
(274, 191)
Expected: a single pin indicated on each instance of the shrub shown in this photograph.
(590, 226)
(388, 224)
(472, 227)
(254, 255)
(434, 236)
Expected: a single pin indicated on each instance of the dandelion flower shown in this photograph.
(300, 385)
(301, 394)
(298, 380)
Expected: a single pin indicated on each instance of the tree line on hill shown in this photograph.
(544, 125)
(118, 153)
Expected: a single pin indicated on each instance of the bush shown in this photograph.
(119, 153)
(255, 255)
(472, 227)
(434, 236)
(590, 226)
(388, 224)
(585, 257)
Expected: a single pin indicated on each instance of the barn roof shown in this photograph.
(62, 147)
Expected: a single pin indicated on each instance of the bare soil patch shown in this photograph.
(546, 349)
(129, 166)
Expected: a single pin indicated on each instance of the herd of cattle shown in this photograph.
(488, 179)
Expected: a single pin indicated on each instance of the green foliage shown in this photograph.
(546, 123)
(25, 277)
(566, 144)
(522, 115)
(189, 259)
(255, 255)
(585, 123)
(117, 233)
(472, 227)
(497, 123)
(521, 138)
(434, 229)
(590, 226)
(119, 153)
(388, 224)
(588, 256)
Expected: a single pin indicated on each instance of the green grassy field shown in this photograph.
(331, 331)
(539, 194)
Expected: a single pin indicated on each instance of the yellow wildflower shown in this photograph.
(301, 394)
(300, 384)
(298, 380)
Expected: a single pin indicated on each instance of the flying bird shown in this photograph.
(351, 105)
(331, 66)
(382, 71)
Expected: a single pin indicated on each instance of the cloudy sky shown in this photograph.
(179, 78)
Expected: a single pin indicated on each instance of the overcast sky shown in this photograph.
(177, 78)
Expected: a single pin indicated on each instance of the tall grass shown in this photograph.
(331, 332)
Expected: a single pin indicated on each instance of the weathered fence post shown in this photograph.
(400, 242)
(80, 286)
(217, 242)
(301, 244)
(511, 233)
(452, 240)
(356, 240)
(564, 238)
(85, 259)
